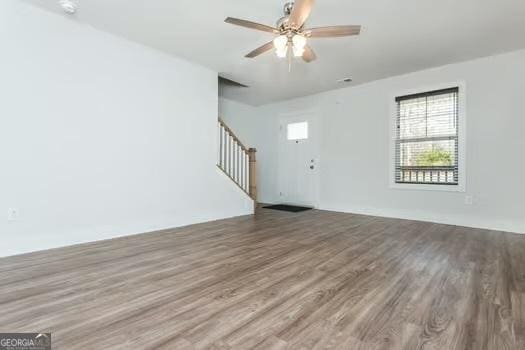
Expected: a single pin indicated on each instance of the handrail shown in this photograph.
(232, 134)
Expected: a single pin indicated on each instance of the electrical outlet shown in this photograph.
(469, 200)
(12, 214)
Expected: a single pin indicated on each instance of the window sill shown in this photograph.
(422, 187)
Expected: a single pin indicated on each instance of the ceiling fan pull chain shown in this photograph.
(289, 59)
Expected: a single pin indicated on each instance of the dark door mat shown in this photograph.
(285, 207)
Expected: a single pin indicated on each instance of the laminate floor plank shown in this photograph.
(276, 280)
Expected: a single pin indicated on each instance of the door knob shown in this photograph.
(311, 167)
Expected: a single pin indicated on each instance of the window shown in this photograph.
(297, 131)
(427, 138)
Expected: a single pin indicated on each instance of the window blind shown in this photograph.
(427, 138)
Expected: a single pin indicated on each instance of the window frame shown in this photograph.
(462, 141)
(287, 126)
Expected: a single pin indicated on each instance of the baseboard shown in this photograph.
(85, 236)
(457, 220)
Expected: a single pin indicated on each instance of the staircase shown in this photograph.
(236, 160)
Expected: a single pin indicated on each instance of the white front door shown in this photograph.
(298, 159)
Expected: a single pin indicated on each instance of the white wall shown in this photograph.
(101, 137)
(355, 165)
(242, 116)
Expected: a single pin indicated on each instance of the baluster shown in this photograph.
(240, 166)
(220, 145)
(223, 155)
(228, 159)
(246, 169)
(243, 185)
(247, 173)
(241, 169)
(232, 172)
(223, 148)
(236, 161)
(243, 175)
(231, 155)
(224, 151)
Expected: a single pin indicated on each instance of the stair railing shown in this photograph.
(236, 160)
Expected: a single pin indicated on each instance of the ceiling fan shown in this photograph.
(292, 36)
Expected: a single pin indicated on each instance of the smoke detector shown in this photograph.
(69, 6)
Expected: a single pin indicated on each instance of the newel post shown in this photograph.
(253, 173)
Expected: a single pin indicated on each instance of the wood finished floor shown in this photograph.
(312, 280)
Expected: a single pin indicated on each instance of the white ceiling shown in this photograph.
(398, 36)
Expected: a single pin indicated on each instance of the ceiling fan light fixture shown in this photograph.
(292, 35)
(282, 53)
(298, 52)
(299, 42)
(280, 42)
(281, 46)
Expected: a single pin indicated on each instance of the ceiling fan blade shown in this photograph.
(251, 25)
(260, 50)
(333, 31)
(309, 54)
(300, 12)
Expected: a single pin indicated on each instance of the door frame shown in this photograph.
(314, 134)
